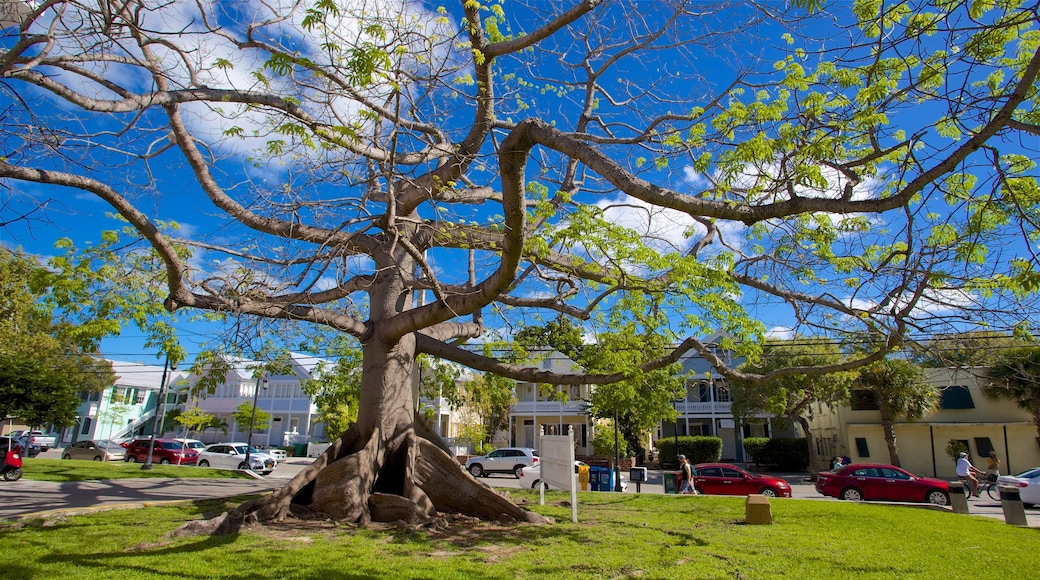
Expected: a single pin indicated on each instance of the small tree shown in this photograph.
(194, 419)
(901, 391)
(244, 417)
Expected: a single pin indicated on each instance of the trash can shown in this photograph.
(299, 450)
(594, 473)
(671, 481)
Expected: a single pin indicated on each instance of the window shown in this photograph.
(864, 400)
(983, 445)
(861, 447)
(139, 396)
(888, 473)
(956, 397)
(86, 426)
(865, 471)
(730, 472)
(710, 472)
(722, 392)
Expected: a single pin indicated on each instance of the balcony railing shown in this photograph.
(549, 408)
(698, 407)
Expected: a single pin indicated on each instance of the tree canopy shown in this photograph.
(680, 166)
(43, 365)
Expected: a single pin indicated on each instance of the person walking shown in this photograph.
(686, 487)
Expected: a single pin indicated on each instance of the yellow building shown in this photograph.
(966, 414)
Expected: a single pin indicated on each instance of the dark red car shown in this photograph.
(164, 451)
(728, 479)
(858, 482)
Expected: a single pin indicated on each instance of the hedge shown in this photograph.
(782, 453)
(698, 449)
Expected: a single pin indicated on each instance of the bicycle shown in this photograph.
(987, 484)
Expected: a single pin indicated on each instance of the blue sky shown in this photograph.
(81, 216)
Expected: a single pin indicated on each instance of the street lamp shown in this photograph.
(160, 405)
(252, 419)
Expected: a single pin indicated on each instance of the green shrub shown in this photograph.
(603, 444)
(754, 446)
(698, 449)
(782, 453)
(954, 448)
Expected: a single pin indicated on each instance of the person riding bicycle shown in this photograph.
(992, 467)
(967, 471)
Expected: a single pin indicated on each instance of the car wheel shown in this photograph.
(938, 497)
(769, 492)
(66, 457)
(699, 491)
(204, 463)
(97, 458)
(518, 471)
(1027, 505)
(164, 461)
(243, 465)
(131, 459)
(851, 494)
(476, 470)
(535, 484)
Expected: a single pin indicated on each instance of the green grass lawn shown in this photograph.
(83, 470)
(618, 536)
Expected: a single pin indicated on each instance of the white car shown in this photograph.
(191, 443)
(233, 456)
(504, 460)
(279, 454)
(534, 475)
(1028, 484)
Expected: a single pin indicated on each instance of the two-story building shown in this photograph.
(293, 414)
(965, 414)
(554, 408)
(125, 409)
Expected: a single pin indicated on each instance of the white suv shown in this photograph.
(505, 460)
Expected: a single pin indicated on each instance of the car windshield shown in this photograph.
(172, 445)
(1030, 473)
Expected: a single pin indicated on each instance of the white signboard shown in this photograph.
(556, 458)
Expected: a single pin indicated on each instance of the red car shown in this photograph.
(858, 482)
(164, 451)
(728, 479)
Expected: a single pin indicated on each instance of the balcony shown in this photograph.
(704, 408)
(549, 408)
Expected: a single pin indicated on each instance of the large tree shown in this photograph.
(1016, 377)
(512, 159)
(794, 396)
(900, 389)
(44, 364)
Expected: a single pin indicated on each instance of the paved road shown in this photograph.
(24, 497)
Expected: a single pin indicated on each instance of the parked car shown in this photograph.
(504, 460)
(278, 453)
(728, 479)
(166, 451)
(870, 482)
(37, 437)
(28, 449)
(94, 449)
(1028, 484)
(233, 456)
(533, 473)
(191, 443)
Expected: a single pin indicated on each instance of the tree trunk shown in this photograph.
(890, 438)
(814, 468)
(387, 467)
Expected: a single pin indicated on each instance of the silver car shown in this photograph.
(233, 456)
(504, 460)
(94, 449)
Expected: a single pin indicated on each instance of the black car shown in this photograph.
(28, 450)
